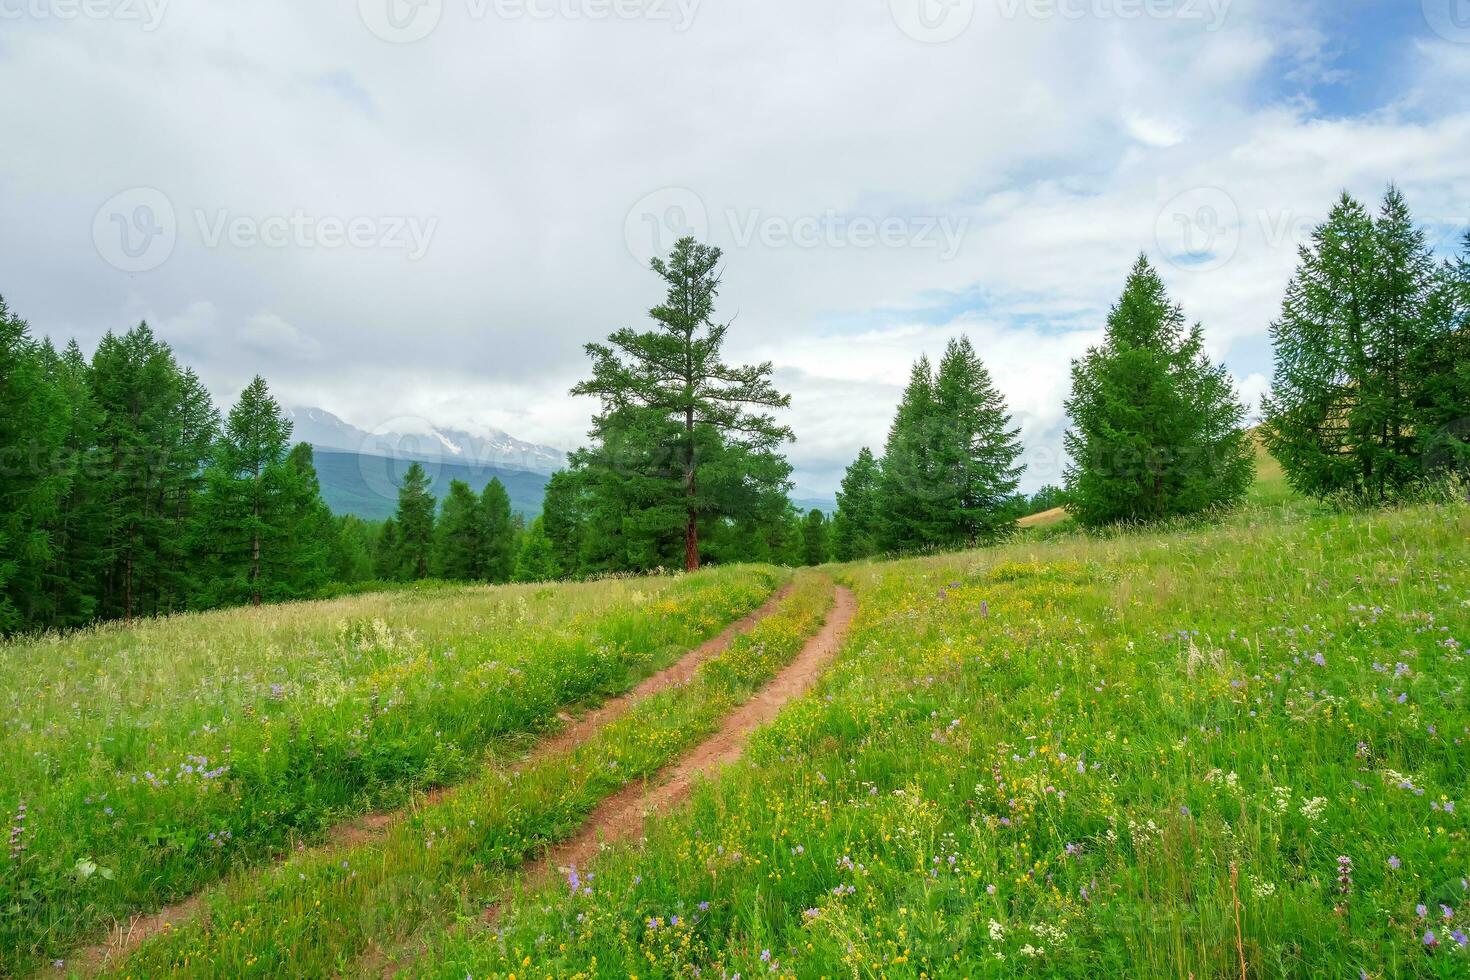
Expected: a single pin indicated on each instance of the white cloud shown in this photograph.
(1057, 142)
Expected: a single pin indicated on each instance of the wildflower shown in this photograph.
(1345, 875)
(704, 906)
(1460, 939)
(1421, 910)
(997, 931)
(812, 913)
(1447, 912)
(1395, 863)
(1429, 939)
(765, 956)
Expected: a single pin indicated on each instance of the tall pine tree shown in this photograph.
(974, 449)
(498, 559)
(460, 534)
(1157, 430)
(667, 397)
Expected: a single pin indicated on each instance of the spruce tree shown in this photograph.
(311, 530)
(906, 509)
(1157, 431)
(536, 559)
(1442, 365)
(666, 395)
(498, 524)
(414, 524)
(855, 529)
(460, 534)
(246, 519)
(564, 518)
(387, 553)
(974, 451)
(1346, 410)
(815, 549)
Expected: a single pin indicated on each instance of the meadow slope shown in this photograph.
(1209, 752)
(141, 763)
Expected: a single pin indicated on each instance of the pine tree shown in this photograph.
(499, 556)
(1345, 413)
(536, 559)
(1157, 430)
(906, 509)
(855, 529)
(666, 394)
(974, 451)
(415, 523)
(460, 534)
(814, 542)
(352, 549)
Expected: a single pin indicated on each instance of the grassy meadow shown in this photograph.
(141, 763)
(1213, 752)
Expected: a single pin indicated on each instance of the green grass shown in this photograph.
(1080, 758)
(346, 909)
(151, 760)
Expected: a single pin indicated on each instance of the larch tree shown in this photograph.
(671, 387)
(459, 553)
(1356, 348)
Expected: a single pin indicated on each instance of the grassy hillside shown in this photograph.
(140, 763)
(1158, 755)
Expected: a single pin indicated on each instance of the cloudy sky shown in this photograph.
(425, 207)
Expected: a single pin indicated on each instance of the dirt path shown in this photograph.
(128, 936)
(621, 816)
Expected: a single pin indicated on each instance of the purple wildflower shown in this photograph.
(1395, 863)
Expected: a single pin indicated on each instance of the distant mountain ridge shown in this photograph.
(419, 439)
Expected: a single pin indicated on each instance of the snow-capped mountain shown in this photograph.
(407, 438)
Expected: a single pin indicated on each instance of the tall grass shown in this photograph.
(140, 763)
(1149, 755)
(347, 910)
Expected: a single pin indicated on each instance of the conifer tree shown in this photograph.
(311, 529)
(536, 559)
(73, 575)
(31, 489)
(460, 533)
(666, 395)
(815, 550)
(974, 451)
(907, 518)
(387, 553)
(855, 528)
(1442, 365)
(564, 518)
(1157, 431)
(247, 519)
(414, 523)
(1357, 360)
(499, 556)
